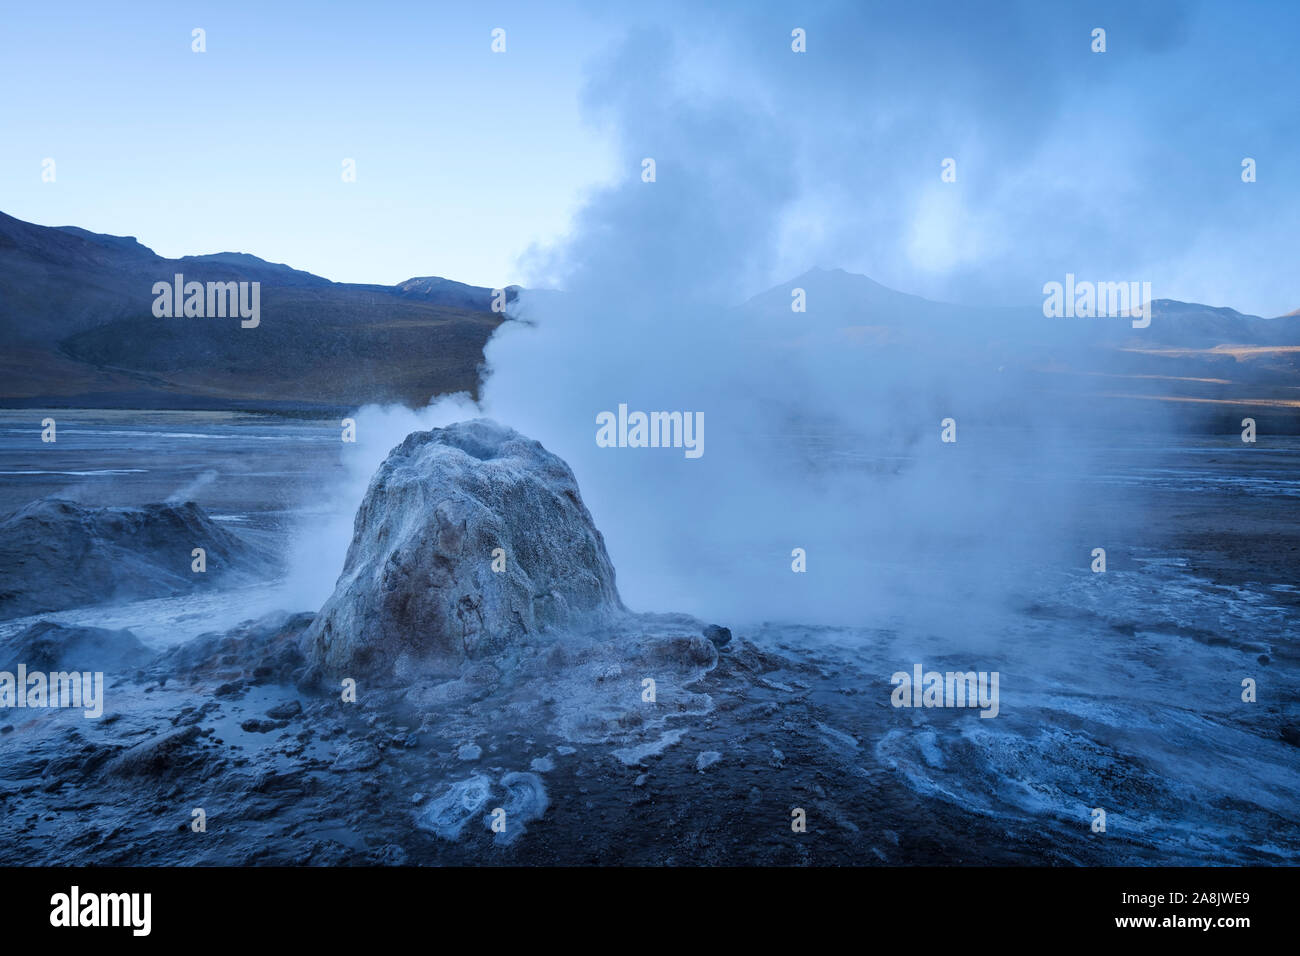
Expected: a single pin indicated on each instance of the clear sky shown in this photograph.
(463, 157)
(1123, 165)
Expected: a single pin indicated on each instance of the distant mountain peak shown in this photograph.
(841, 287)
(448, 290)
(1170, 307)
(247, 261)
(822, 272)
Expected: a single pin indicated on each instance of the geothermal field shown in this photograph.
(855, 445)
(475, 657)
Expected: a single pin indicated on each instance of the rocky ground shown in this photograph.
(594, 735)
(709, 775)
(292, 777)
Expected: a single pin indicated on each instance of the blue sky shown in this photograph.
(476, 166)
(463, 157)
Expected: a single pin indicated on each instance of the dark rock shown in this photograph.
(156, 755)
(266, 646)
(685, 648)
(273, 781)
(390, 854)
(47, 646)
(57, 554)
(720, 636)
(357, 756)
(308, 679)
(286, 711)
(255, 725)
(188, 716)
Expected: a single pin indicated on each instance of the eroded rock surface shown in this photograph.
(469, 538)
(57, 554)
(50, 646)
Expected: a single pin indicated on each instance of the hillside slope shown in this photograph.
(76, 317)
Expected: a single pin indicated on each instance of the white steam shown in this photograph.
(822, 432)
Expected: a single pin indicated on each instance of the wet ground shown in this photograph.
(1119, 691)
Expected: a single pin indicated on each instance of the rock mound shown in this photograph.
(261, 651)
(47, 646)
(57, 554)
(469, 537)
(155, 757)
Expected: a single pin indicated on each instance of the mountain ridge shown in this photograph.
(76, 316)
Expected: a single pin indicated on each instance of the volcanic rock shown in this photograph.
(47, 646)
(468, 539)
(57, 554)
